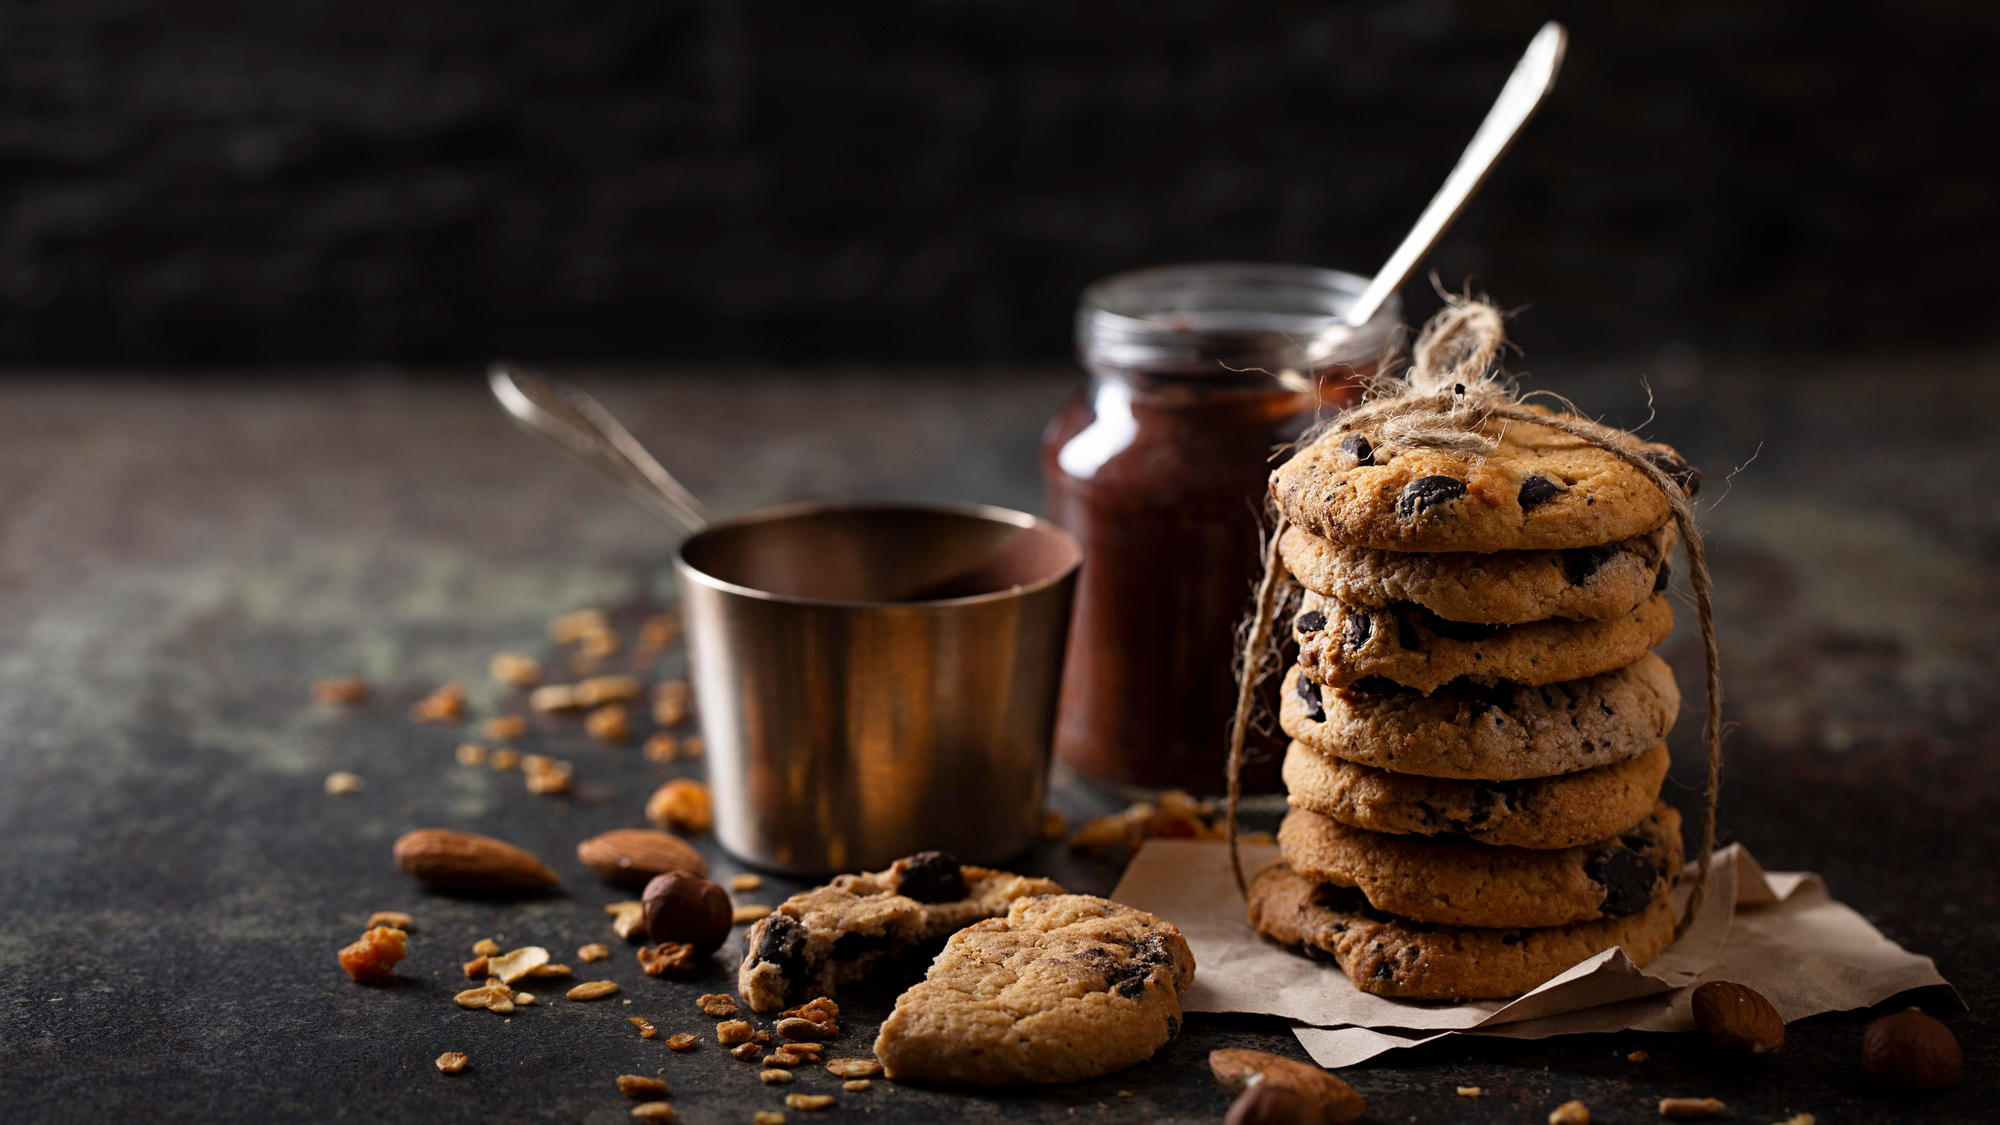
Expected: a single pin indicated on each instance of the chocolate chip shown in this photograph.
(1311, 621)
(1131, 987)
(1308, 693)
(1385, 970)
(1665, 576)
(1450, 630)
(1580, 564)
(1425, 493)
(783, 943)
(932, 877)
(1676, 468)
(854, 946)
(1358, 447)
(1513, 938)
(1627, 878)
(1360, 626)
(1406, 631)
(1537, 491)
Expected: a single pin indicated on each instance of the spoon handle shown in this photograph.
(576, 422)
(1534, 76)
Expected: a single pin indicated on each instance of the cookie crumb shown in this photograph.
(809, 1101)
(344, 689)
(746, 914)
(340, 783)
(1570, 1113)
(718, 1004)
(772, 1076)
(451, 1062)
(855, 1085)
(1691, 1107)
(745, 882)
(1469, 1091)
(646, 1029)
(640, 1086)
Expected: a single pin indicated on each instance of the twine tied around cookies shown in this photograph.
(1452, 388)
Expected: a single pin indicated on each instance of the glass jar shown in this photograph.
(1198, 376)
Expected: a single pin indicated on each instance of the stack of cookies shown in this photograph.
(1478, 722)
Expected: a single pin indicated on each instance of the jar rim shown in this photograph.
(1209, 317)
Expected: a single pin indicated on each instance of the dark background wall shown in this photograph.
(935, 179)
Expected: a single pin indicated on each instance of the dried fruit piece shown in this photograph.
(744, 915)
(372, 958)
(717, 1004)
(394, 919)
(774, 1076)
(609, 723)
(340, 783)
(514, 668)
(451, 1062)
(505, 728)
(1910, 1051)
(681, 805)
(809, 1101)
(592, 990)
(1238, 1069)
(345, 689)
(1690, 1107)
(667, 957)
(670, 702)
(688, 908)
(635, 856)
(646, 1029)
(445, 705)
(853, 1068)
(628, 919)
(511, 967)
(1738, 1018)
(745, 882)
(640, 1086)
(1570, 1113)
(471, 754)
(855, 1085)
(731, 1032)
(681, 1041)
(595, 951)
(461, 861)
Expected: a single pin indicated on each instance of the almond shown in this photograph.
(460, 861)
(633, 856)
(1237, 1069)
(1736, 1017)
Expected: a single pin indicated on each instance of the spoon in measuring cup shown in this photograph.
(1534, 76)
(577, 423)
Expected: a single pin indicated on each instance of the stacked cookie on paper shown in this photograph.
(1478, 719)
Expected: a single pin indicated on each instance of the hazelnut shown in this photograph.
(1266, 1103)
(1910, 1051)
(688, 909)
(1738, 1018)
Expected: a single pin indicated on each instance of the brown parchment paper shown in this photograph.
(1778, 932)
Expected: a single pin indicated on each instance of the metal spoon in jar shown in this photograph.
(1534, 76)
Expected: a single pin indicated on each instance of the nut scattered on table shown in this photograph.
(684, 907)
(633, 857)
(461, 861)
(343, 689)
(718, 1004)
(340, 783)
(808, 1030)
(1570, 1113)
(809, 1102)
(514, 668)
(1239, 1069)
(1736, 1017)
(1690, 1107)
(592, 990)
(1265, 1103)
(853, 1068)
(451, 1062)
(681, 805)
(1910, 1051)
(372, 958)
(640, 1086)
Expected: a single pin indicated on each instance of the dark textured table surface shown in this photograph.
(179, 561)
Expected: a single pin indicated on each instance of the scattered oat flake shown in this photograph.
(762, 1037)
(657, 632)
(505, 759)
(372, 958)
(745, 882)
(819, 1009)
(595, 951)
(731, 1032)
(1800, 1119)
(750, 913)
(1469, 1091)
(717, 1004)
(486, 947)
(666, 957)
(551, 970)
(523, 999)
(485, 996)
(1690, 1107)
(475, 969)
(855, 1085)
(1124, 1093)
(445, 705)
(646, 1029)
(785, 1056)
(654, 1111)
(853, 1068)
(640, 1086)
(609, 723)
(681, 1041)
(747, 1051)
(553, 697)
(628, 918)
(772, 1076)
(394, 919)
(768, 1117)
(809, 1101)
(511, 967)
(592, 990)
(1637, 1057)
(451, 1062)
(471, 754)
(340, 783)
(344, 689)
(662, 747)
(505, 728)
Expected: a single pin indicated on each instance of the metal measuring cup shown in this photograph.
(873, 679)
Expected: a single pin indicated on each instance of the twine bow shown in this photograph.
(1452, 389)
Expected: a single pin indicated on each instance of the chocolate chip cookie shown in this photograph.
(1539, 490)
(1065, 987)
(820, 939)
(1502, 588)
(1409, 645)
(1412, 961)
(1565, 811)
(1453, 883)
(1492, 732)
